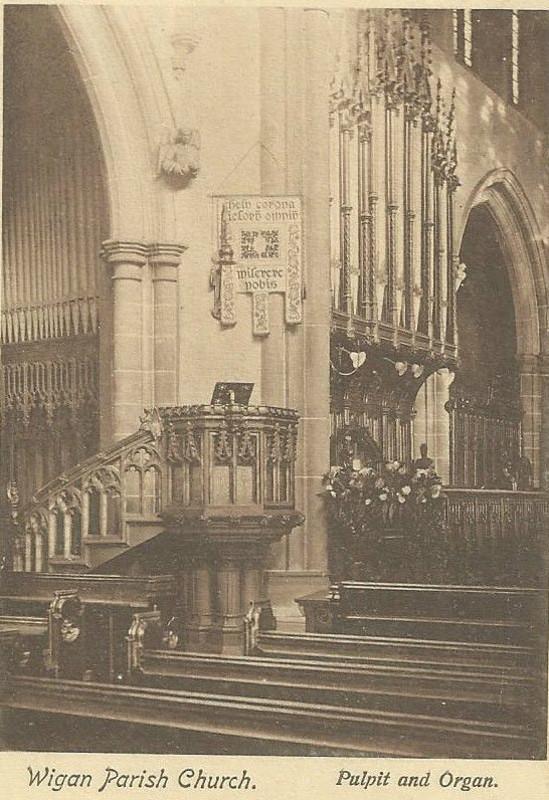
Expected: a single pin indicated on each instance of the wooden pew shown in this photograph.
(143, 592)
(49, 645)
(108, 604)
(31, 643)
(483, 614)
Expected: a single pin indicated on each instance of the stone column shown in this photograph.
(303, 566)
(229, 588)
(274, 181)
(198, 610)
(126, 260)
(315, 421)
(254, 589)
(531, 410)
(544, 438)
(164, 260)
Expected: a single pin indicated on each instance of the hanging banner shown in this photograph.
(259, 252)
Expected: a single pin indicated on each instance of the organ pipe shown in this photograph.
(54, 221)
(414, 212)
(362, 193)
(442, 265)
(378, 129)
(402, 175)
(399, 167)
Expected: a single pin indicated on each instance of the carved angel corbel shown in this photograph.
(179, 156)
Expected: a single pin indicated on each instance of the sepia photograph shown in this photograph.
(274, 408)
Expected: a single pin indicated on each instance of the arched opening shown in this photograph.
(55, 216)
(485, 397)
(494, 403)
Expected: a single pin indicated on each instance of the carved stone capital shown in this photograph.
(165, 259)
(116, 252)
(125, 258)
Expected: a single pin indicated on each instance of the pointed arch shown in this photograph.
(521, 242)
(131, 105)
(520, 239)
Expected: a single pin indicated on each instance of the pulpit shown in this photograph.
(231, 486)
(198, 493)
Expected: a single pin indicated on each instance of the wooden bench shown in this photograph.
(108, 602)
(482, 614)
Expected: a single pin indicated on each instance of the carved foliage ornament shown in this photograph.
(282, 445)
(185, 446)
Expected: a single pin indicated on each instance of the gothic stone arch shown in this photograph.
(520, 240)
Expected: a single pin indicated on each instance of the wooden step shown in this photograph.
(338, 646)
(336, 673)
(456, 694)
(359, 731)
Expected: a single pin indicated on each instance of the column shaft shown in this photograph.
(164, 260)
(314, 457)
(126, 260)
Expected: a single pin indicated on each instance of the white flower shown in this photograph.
(401, 499)
(368, 501)
(383, 496)
(366, 471)
(406, 490)
(423, 499)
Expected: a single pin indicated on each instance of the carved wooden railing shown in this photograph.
(496, 536)
(94, 502)
(485, 536)
(200, 457)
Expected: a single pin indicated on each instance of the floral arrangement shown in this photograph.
(366, 502)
